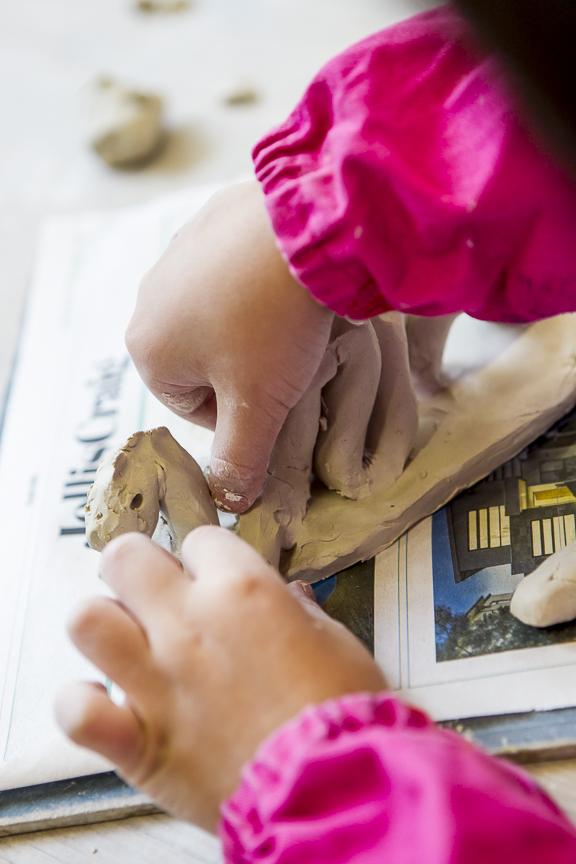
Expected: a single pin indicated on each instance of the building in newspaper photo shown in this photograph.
(494, 534)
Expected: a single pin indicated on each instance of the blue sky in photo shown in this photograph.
(324, 588)
(460, 596)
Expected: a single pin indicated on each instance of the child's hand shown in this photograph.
(221, 324)
(212, 660)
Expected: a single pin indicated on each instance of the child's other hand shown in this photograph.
(224, 336)
(211, 660)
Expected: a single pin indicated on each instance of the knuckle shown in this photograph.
(149, 335)
(145, 347)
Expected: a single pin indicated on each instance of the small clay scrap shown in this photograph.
(548, 595)
(240, 96)
(162, 5)
(125, 126)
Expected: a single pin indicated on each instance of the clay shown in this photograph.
(162, 5)
(149, 475)
(241, 95)
(272, 525)
(548, 595)
(125, 126)
(481, 421)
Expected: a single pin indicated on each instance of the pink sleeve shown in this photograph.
(403, 180)
(367, 779)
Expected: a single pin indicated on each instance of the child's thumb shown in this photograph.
(243, 442)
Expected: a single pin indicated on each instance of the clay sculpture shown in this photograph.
(149, 475)
(381, 461)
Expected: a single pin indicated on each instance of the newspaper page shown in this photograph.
(74, 396)
(432, 607)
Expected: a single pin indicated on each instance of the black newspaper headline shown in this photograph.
(93, 435)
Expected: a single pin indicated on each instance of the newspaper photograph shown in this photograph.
(443, 629)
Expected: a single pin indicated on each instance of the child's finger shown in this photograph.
(214, 555)
(243, 441)
(347, 402)
(89, 718)
(110, 638)
(142, 574)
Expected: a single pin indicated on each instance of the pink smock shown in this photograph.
(404, 179)
(368, 780)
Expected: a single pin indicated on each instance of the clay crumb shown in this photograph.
(162, 5)
(241, 95)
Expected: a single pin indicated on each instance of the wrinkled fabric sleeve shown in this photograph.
(404, 180)
(367, 779)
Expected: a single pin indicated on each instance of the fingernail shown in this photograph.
(306, 589)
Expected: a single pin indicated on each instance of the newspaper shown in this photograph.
(75, 395)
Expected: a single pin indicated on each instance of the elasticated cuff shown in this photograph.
(249, 818)
(326, 261)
